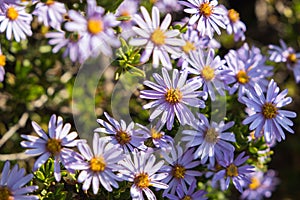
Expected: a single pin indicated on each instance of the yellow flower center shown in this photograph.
(206, 9)
(233, 15)
(189, 46)
(211, 135)
(142, 180)
(158, 37)
(242, 77)
(155, 134)
(2, 60)
(53, 146)
(122, 137)
(97, 164)
(269, 110)
(292, 58)
(173, 95)
(49, 2)
(95, 26)
(208, 73)
(232, 170)
(12, 13)
(178, 171)
(187, 198)
(255, 183)
(5, 193)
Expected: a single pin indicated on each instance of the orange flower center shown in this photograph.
(233, 15)
(95, 26)
(242, 77)
(49, 2)
(53, 146)
(189, 46)
(269, 110)
(178, 171)
(158, 37)
(173, 95)
(232, 170)
(208, 73)
(255, 183)
(155, 134)
(206, 9)
(12, 13)
(2, 60)
(97, 164)
(122, 137)
(142, 180)
(292, 58)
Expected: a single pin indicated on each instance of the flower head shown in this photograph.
(12, 182)
(235, 25)
(172, 97)
(55, 144)
(157, 39)
(2, 64)
(141, 170)
(98, 166)
(267, 115)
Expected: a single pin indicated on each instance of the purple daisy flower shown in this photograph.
(51, 13)
(211, 138)
(235, 25)
(2, 64)
(234, 170)
(98, 166)
(158, 137)
(288, 55)
(210, 70)
(267, 116)
(180, 169)
(121, 134)
(143, 172)
(208, 15)
(95, 29)
(172, 97)
(15, 21)
(184, 194)
(157, 39)
(262, 185)
(56, 144)
(12, 182)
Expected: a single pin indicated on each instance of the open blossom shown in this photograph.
(211, 139)
(208, 15)
(180, 169)
(51, 13)
(56, 144)
(267, 115)
(156, 38)
(12, 182)
(15, 21)
(171, 97)
(141, 169)
(98, 166)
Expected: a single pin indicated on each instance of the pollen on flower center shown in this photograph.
(12, 13)
(232, 170)
(158, 37)
(173, 95)
(208, 73)
(189, 46)
(2, 60)
(292, 58)
(211, 135)
(142, 180)
(49, 2)
(122, 137)
(97, 164)
(5, 193)
(255, 183)
(242, 77)
(187, 197)
(206, 9)
(95, 26)
(53, 146)
(155, 134)
(178, 171)
(233, 15)
(269, 110)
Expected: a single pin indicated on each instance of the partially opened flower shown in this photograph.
(172, 96)
(2, 64)
(267, 115)
(142, 171)
(12, 182)
(56, 144)
(16, 22)
(156, 38)
(235, 25)
(98, 166)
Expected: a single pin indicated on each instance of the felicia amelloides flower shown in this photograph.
(56, 144)
(15, 21)
(208, 15)
(156, 38)
(235, 25)
(140, 169)
(12, 182)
